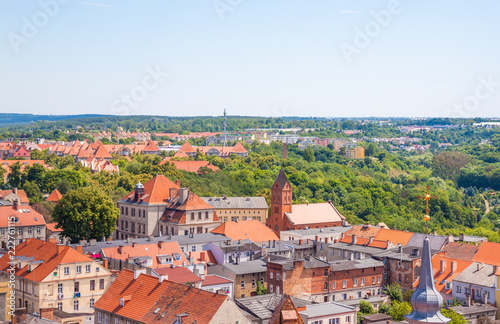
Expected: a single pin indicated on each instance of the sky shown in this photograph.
(319, 58)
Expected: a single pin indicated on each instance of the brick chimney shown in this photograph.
(47, 313)
(14, 190)
(307, 241)
(19, 316)
(300, 242)
(120, 249)
(16, 204)
(79, 248)
(161, 245)
(326, 239)
(442, 267)
(178, 182)
(134, 244)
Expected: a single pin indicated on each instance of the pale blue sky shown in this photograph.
(266, 58)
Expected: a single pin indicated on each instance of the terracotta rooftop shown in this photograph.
(52, 227)
(26, 216)
(202, 257)
(394, 236)
(151, 147)
(51, 255)
(211, 280)
(54, 196)
(20, 192)
(250, 229)
(101, 152)
(187, 148)
(488, 253)
(180, 275)
(440, 278)
(462, 251)
(156, 191)
(190, 166)
(303, 214)
(150, 301)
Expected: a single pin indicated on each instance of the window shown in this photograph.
(374, 280)
(116, 320)
(38, 230)
(399, 278)
(59, 306)
(75, 305)
(326, 286)
(340, 253)
(358, 294)
(325, 273)
(105, 318)
(278, 290)
(199, 215)
(253, 283)
(92, 284)
(99, 317)
(60, 288)
(355, 282)
(362, 281)
(333, 285)
(193, 248)
(406, 265)
(271, 288)
(97, 269)
(87, 268)
(20, 231)
(30, 230)
(206, 215)
(192, 216)
(101, 283)
(378, 279)
(270, 275)
(344, 296)
(92, 302)
(78, 269)
(242, 284)
(77, 286)
(333, 321)
(277, 276)
(262, 281)
(344, 283)
(66, 270)
(348, 319)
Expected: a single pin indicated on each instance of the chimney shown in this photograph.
(300, 242)
(172, 192)
(341, 235)
(120, 249)
(79, 248)
(284, 151)
(326, 240)
(178, 182)
(336, 240)
(183, 195)
(274, 243)
(47, 313)
(163, 277)
(479, 266)
(307, 241)
(450, 239)
(16, 207)
(316, 240)
(134, 244)
(105, 263)
(495, 269)
(370, 239)
(354, 239)
(461, 237)
(161, 245)
(19, 316)
(137, 272)
(442, 266)
(14, 190)
(485, 297)
(202, 256)
(191, 260)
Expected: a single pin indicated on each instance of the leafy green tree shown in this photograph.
(309, 154)
(86, 213)
(33, 192)
(454, 316)
(64, 186)
(384, 308)
(447, 165)
(15, 177)
(399, 310)
(261, 290)
(395, 292)
(407, 295)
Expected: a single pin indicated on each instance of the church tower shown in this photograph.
(281, 203)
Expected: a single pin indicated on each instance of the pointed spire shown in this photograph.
(426, 300)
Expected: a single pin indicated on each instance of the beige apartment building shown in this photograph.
(238, 209)
(20, 222)
(48, 275)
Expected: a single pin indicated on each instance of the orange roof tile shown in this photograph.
(363, 231)
(52, 227)
(249, 229)
(180, 275)
(488, 253)
(20, 192)
(26, 216)
(101, 152)
(151, 147)
(186, 148)
(55, 196)
(239, 148)
(153, 302)
(394, 236)
(462, 251)
(190, 166)
(51, 254)
(156, 191)
(202, 257)
(146, 250)
(440, 278)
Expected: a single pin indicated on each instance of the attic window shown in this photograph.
(156, 310)
(36, 219)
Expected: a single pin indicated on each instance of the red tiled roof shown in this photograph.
(211, 280)
(394, 236)
(177, 213)
(151, 147)
(153, 302)
(101, 152)
(25, 214)
(207, 256)
(249, 229)
(180, 275)
(53, 256)
(462, 251)
(146, 250)
(190, 166)
(156, 190)
(239, 148)
(52, 227)
(186, 148)
(440, 278)
(363, 231)
(20, 192)
(488, 253)
(55, 196)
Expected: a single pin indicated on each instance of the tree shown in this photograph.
(261, 290)
(64, 186)
(366, 307)
(86, 213)
(454, 316)
(384, 308)
(399, 310)
(33, 192)
(309, 154)
(447, 165)
(15, 177)
(395, 292)
(407, 295)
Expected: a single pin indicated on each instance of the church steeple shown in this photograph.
(281, 202)
(426, 300)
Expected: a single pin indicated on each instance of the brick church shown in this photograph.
(284, 216)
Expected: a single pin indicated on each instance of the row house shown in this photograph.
(54, 276)
(476, 283)
(321, 281)
(238, 209)
(245, 276)
(135, 297)
(19, 223)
